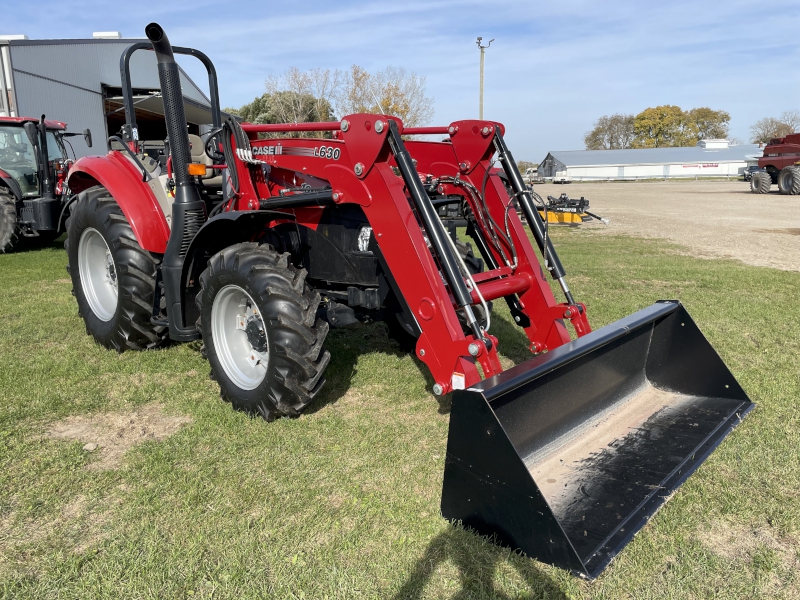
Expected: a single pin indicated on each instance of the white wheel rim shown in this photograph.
(232, 312)
(98, 274)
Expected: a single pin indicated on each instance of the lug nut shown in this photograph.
(345, 125)
(474, 349)
(359, 169)
(378, 126)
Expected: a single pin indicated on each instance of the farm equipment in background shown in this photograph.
(567, 211)
(781, 164)
(565, 456)
(33, 171)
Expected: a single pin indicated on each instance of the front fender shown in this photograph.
(124, 182)
(220, 231)
(11, 184)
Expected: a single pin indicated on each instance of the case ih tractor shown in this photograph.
(781, 161)
(565, 456)
(33, 171)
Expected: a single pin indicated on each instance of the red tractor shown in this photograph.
(315, 233)
(781, 164)
(33, 172)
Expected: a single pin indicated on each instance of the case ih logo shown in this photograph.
(318, 152)
(267, 150)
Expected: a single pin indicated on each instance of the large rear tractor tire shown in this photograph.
(113, 278)
(789, 180)
(258, 319)
(760, 183)
(9, 232)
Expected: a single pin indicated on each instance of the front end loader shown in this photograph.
(565, 456)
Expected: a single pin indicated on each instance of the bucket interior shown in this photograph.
(606, 431)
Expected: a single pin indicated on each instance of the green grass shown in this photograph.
(344, 502)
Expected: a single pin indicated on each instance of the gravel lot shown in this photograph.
(711, 218)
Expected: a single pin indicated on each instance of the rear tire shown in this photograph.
(789, 180)
(113, 277)
(9, 232)
(258, 319)
(760, 183)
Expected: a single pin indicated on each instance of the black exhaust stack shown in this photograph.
(41, 214)
(188, 210)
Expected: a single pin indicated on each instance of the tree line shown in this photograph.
(670, 126)
(327, 95)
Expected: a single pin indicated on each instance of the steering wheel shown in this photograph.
(212, 144)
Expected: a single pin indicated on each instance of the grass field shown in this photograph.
(344, 501)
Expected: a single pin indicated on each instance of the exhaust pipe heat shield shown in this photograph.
(568, 455)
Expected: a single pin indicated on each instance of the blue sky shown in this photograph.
(554, 68)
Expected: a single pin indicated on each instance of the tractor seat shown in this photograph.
(211, 178)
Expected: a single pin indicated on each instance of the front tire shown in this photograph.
(9, 231)
(760, 182)
(258, 319)
(113, 277)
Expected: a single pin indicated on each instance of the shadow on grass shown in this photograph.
(35, 244)
(477, 565)
(347, 344)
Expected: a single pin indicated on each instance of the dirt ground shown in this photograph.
(711, 218)
(110, 435)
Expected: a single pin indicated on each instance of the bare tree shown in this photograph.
(309, 96)
(298, 96)
(612, 132)
(392, 91)
(791, 118)
(763, 130)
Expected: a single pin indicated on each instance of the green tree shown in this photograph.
(660, 127)
(611, 132)
(707, 124)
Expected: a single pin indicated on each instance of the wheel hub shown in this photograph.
(98, 274)
(255, 334)
(239, 337)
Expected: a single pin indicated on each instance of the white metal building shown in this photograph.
(710, 158)
(78, 82)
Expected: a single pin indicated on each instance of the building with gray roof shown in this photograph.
(710, 158)
(78, 82)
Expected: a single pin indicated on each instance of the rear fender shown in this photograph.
(124, 182)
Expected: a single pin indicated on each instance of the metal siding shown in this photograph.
(65, 82)
(653, 156)
(79, 109)
(92, 65)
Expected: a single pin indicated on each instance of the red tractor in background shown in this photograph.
(33, 171)
(781, 164)
(312, 234)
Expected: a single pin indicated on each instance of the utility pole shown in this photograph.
(483, 51)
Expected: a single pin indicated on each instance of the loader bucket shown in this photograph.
(568, 455)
